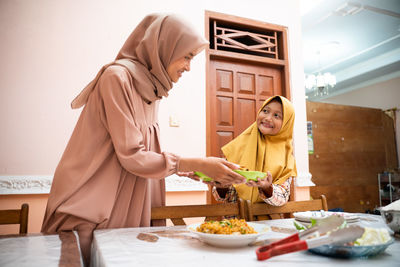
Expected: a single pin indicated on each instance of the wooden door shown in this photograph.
(351, 146)
(247, 62)
(237, 91)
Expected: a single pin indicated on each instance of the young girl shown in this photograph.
(265, 146)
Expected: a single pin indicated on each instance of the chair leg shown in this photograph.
(242, 210)
(324, 202)
(249, 208)
(23, 227)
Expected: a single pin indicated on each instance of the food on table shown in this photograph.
(226, 227)
(373, 236)
(203, 177)
(251, 175)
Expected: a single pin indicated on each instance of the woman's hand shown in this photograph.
(220, 170)
(264, 184)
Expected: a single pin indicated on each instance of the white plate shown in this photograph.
(219, 240)
(308, 215)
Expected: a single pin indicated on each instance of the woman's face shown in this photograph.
(269, 120)
(175, 69)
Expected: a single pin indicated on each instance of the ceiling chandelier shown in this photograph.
(320, 83)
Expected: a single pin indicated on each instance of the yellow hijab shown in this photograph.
(258, 152)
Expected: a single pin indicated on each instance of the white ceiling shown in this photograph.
(357, 41)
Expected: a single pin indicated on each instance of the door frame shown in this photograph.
(282, 62)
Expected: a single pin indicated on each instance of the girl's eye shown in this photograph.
(276, 115)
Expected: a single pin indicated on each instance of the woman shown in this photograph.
(265, 146)
(112, 170)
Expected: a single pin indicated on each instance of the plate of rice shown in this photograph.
(228, 233)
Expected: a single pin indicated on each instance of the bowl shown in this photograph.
(343, 251)
(230, 241)
(392, 219)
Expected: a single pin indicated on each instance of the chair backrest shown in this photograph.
(257, 210)
(292, 195)
(18, 216)
(210, 211)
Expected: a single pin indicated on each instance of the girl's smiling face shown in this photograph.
(269, 120)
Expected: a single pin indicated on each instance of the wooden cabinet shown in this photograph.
(351, 146)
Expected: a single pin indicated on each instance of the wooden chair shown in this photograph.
(18, 216)
(209, 211)
(256, 210)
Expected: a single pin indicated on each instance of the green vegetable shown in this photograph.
(344, 225)
(203, 177)
(252, 175)
(299, 226)
(313, 222)
(249, 175)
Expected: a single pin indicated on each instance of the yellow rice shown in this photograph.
(226, 227)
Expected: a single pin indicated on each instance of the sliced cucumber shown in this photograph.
(249, 175)
(252, 175)
(203, 177)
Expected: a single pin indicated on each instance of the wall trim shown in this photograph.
(25, 184)
(41, 184)
(176, 183)
(303, 179)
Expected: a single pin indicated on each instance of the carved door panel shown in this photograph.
(237, 91)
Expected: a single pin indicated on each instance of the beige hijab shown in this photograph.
(157, 41)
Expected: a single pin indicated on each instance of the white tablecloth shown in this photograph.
(121, 247)
(35, 250)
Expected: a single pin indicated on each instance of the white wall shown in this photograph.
(383, 95)
(51, 49)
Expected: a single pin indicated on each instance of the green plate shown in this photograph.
(203, 177)
(250, 175)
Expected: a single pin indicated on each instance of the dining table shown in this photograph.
(39, 250)
(176, 246)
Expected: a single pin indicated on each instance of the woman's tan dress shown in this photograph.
(101, 180)
(112, 170)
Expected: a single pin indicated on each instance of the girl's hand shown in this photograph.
(265, 184)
